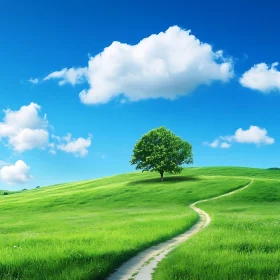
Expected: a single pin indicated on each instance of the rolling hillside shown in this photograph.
(6, 191)
(241, 242)
(85, 230)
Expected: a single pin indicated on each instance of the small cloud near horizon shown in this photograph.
(15, 174)
(253, 135)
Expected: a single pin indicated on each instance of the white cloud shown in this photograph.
(76, 146)
(52, 148)
(56, 137)
(28, 139)
(253, 135)
(225, 145)
(213, 144)
(217, 144)
(72, 76)
(261, 77)
(167, 65)
(15, 174)
(33, 81)
(25, 129)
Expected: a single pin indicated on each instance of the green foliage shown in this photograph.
(162, 151)
(273, 168)
(85, 230)
(5, 193)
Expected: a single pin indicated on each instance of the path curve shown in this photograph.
(142, 265)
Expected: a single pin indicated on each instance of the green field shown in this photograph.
(85, 230)
(242, 241)
(9, 192)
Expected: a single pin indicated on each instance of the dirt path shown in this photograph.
(142, 265)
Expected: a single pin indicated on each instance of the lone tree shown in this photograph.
(162, 151)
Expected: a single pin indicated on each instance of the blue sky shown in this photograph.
(206, 103)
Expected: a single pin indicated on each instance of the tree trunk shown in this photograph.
(161, 176)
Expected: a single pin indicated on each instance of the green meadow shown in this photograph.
(241, 242)
(85, 230)
(6, 192)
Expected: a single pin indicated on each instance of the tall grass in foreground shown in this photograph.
(87, 229)
(242, 241)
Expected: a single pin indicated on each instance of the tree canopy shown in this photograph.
(162, 151)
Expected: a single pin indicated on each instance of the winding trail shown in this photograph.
(142, 265)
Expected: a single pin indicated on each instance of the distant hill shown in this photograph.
(5, 191)
(86, 230)
(274, 168)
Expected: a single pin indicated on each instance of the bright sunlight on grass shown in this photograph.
(242, 241)
(85, 230)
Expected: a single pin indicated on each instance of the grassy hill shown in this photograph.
(9, 192)
(85, 230)
(242, 241)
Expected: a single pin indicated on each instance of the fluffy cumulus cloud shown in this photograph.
(71, 76)
(167, 65)
(24, 129)
(78, 147)
(262, 77)
(253, 135)
(15, 174)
